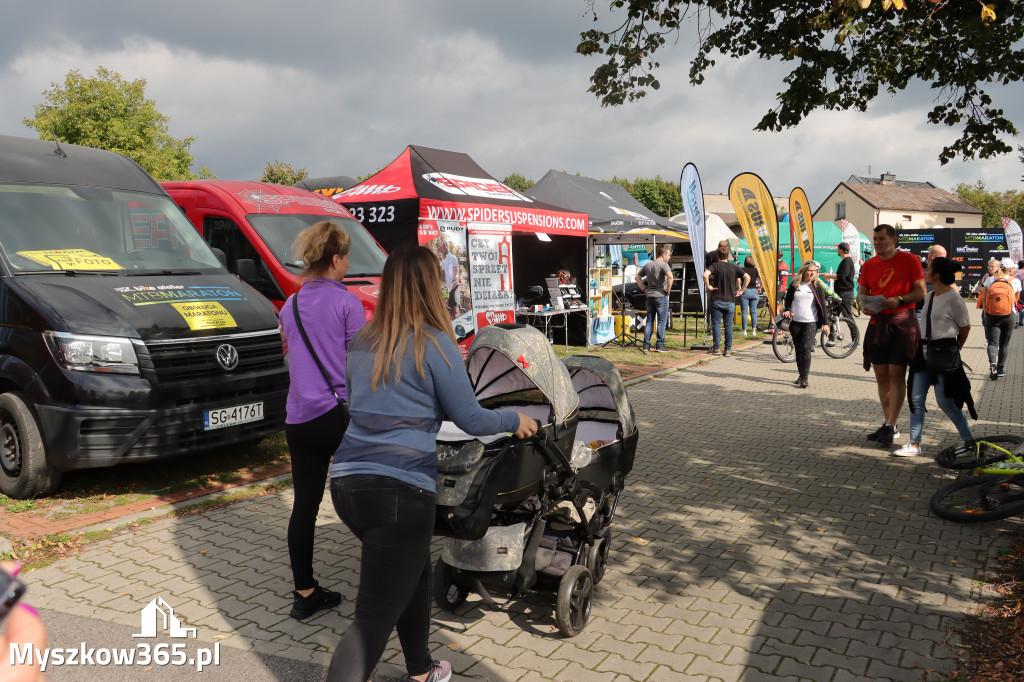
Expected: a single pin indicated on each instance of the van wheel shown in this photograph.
(24, 470)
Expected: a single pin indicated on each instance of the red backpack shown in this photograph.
(1000, 298)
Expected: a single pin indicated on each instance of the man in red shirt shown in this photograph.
(891, 282)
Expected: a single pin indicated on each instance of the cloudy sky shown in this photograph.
(341, 88)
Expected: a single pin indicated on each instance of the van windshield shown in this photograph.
(279, 230)
(46, 227)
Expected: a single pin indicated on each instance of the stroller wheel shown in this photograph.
(447, 594)
(572, 605)
(597, 556)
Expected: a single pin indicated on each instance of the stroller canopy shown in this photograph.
(599, 386)
(504, 359)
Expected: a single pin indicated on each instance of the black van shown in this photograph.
(122, 337)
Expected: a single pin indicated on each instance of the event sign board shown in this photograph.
(490, 273)
(476, 273)
(974, 248)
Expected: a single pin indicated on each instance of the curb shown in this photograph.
(28, 528)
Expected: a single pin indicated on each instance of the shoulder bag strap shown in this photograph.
(302, 330)
(928, 316)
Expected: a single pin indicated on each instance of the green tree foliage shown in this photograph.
(843, 54)
(660, 196)
(108, 112)
(282, 173)
(995, 205)
(518, 182)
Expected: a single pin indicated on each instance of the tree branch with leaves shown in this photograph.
(844, 53)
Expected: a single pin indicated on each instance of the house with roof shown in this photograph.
(907, 205)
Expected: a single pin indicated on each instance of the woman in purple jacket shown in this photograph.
(318, 413)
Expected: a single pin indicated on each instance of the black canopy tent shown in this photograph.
(328, 186)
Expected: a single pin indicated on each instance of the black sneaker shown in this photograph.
(889, 435)
(875, 434)
(1000, 373)
(318, 600)
(993, 374)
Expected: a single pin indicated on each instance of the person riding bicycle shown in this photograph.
(807, 305)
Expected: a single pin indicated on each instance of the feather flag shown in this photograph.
(756, 212)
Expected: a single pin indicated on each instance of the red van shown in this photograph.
(255, 223)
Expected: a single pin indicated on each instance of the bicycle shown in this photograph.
(995, 488)
(845, 333)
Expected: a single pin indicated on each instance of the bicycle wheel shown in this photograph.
(782, 345)
(847, 338)
(981, 455)
(980, 498)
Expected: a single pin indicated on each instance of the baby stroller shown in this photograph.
(606, 437)
(495, 494)
(543, 528)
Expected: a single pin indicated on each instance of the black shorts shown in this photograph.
(894, 352)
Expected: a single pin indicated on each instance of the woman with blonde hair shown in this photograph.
(405, 375)
(805, 304)
(318, 322)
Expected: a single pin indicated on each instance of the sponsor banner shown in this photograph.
(1014, 239)
(801, 225)
(461, 185)
(174, 293)
(693, 205)
(972, 249)
(525, 219)
(919, 242)
(490, 272)
(447, 239)
(756, 212)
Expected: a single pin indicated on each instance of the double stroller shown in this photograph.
(533, 515)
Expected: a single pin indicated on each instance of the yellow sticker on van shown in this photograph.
(71, 259)
(205, 315)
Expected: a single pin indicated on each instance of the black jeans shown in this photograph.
(394, 521)
(999, 328)
(312, 444)
(803, 334)
(846, 306)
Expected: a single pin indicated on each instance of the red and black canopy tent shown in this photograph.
(433, 184)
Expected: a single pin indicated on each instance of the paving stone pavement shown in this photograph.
(760, 536)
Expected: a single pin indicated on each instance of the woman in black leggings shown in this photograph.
(805, 304)
(317, 412)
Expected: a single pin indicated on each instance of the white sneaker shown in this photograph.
(744, 332)
(908, 450)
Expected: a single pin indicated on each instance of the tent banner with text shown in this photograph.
(490, 273)
(447, 240)
(693, 203)
(802, 224)
(756, 212)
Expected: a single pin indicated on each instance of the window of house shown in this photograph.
(950, 221)
(908, 218)
(841, 211)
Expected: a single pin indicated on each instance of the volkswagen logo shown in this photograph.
(227, 357)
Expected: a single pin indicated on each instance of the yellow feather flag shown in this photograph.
(801, 225)
(756, 212)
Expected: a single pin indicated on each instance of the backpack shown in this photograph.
(1000, 298)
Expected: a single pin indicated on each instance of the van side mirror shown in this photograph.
(245, 268)
(221, 257)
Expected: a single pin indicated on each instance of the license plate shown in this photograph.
(230, 416)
